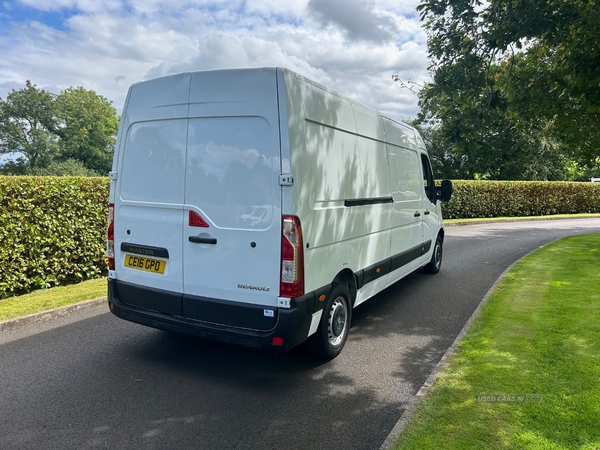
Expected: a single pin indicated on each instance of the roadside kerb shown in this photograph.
(44, 316)
(479, 221)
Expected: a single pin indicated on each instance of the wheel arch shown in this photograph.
(346, 277)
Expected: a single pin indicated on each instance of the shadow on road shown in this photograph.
(227, 395)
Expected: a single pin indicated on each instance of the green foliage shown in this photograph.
(515, 85)
(18, 167)
(88, 128)
(28, 123)
(50, 129)
(445, 163)
(52, 231)
(70, 167)
(520, 199)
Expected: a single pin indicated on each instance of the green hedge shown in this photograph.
(52, 231)
(521, 198)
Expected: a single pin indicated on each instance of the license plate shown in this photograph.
(143, 263)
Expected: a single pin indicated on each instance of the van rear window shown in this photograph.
(232, 166)
(153, 162)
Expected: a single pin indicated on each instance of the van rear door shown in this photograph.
(232, 185)
(149, 194)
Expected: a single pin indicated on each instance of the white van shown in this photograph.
(257, 207)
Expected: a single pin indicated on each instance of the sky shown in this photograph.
(351, 46)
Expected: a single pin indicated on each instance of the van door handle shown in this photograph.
(427, 212)
(202, 240)
(417, 214)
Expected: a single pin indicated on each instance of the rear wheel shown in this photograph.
(333, 329)
(434, 265)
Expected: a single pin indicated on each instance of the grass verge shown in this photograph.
(46, 299)
(537, 338)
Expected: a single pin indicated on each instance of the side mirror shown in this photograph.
(444, 193)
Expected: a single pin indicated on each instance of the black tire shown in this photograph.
(435, 264)
(330, 337)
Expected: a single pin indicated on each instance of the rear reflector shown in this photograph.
(277, 341)
(196, 221)
(292, 258)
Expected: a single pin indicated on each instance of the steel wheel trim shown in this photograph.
(437, 255)
(338, 322)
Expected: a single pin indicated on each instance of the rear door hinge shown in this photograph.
(286, 180)
(112, 175)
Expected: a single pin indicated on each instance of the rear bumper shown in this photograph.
(292, 324)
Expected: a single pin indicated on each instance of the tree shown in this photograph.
(20, 166)
(28, 124)
(444, 162)
(75, 125)
(87, 127)
(69, 167)
(515, 84)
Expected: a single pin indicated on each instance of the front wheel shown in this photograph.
(434, 265)
(332, 333)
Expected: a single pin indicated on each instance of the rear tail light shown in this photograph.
(292, 258)
(110, 237)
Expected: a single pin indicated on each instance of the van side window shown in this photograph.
(404, 170)
(428, 180)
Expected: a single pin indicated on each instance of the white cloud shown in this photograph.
(291, 8)
(107, 45)
(359, 19)
(88, 6)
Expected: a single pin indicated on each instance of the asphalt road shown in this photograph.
(95, 381)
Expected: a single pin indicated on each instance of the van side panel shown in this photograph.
(406, 229)
(358, 190)
(399, 134)
(374, 244)
(342, 189)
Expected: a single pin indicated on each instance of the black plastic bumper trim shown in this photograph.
(292, 324)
